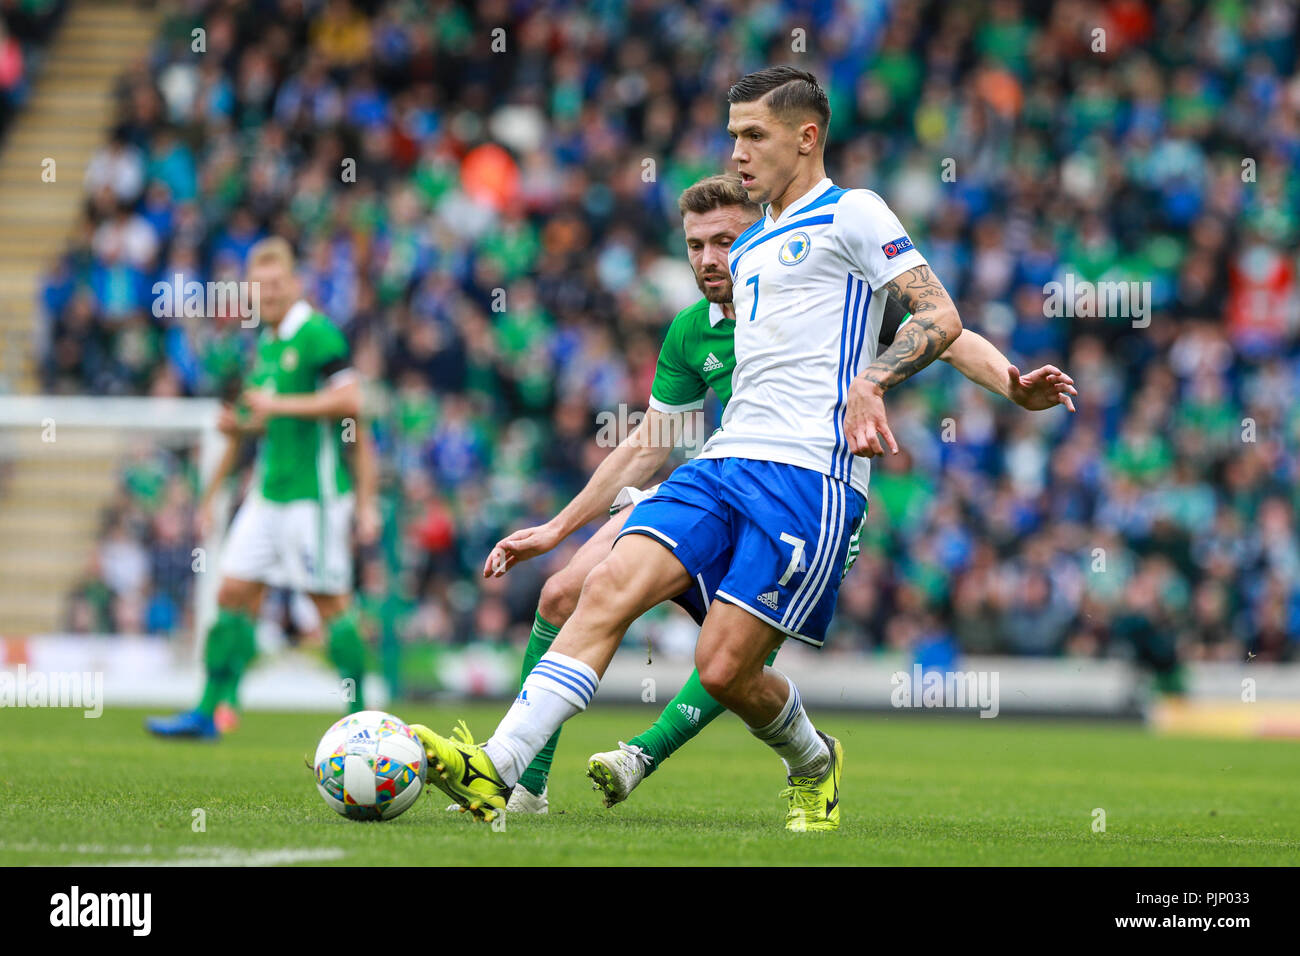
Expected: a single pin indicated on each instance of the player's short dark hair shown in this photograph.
(793, 95)
(714, 192)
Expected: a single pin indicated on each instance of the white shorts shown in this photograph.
(301, 545)
(630, 497)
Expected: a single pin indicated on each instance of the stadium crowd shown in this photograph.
(25, 29)
(421, 162)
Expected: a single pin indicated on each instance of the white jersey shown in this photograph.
(807, 288)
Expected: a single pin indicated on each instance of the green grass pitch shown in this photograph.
(932, 791)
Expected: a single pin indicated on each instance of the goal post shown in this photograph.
(61, 462)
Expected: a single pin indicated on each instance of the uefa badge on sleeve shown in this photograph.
(897, 247)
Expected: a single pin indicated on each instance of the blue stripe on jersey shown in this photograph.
(839, 400)
(850, 334)
(749, 233)
(810, 221)
(852, 338)
(848, 323)
(828, 198)
(739, 242)
(851, 369)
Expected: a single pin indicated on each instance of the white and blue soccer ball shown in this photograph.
(370, 766)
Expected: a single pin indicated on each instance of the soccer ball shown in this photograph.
(370, 766)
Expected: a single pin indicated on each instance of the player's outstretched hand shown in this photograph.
(1044, 387)
(865, 425)
(520, 546)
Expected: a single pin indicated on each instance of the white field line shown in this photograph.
(181, 856)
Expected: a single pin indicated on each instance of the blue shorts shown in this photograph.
(696, 599)
(768, 537)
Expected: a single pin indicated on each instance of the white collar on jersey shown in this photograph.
(799, 203)
(298, 313)
(715, 313)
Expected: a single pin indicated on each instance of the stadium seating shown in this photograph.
(1158, 522)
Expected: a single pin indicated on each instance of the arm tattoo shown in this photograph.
(921, 340)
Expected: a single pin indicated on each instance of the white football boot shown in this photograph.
(616, 773)
(522, 800)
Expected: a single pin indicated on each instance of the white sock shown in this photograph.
(794, 738)
(557, 688)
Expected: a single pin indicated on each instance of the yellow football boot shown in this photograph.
(815, 802)
(460, 769)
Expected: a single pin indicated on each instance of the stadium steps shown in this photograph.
(51, 513)
(52, 496)
(66, 119)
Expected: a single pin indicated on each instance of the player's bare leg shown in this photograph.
(638, 573)
(616, 773)
(562, 589)
(239, 595)
(559, 597)
(730, 657)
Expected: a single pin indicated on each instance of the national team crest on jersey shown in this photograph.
(795, 249)
(289, 360)
(897, 247)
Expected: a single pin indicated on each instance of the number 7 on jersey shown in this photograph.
(796, 557)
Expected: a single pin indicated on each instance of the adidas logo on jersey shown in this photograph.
(770, 598)
(712, 363)
(690, 713)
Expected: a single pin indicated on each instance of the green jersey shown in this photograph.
(698, 354)
(301, 458)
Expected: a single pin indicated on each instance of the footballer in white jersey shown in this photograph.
(770, 504)
(809, 299)
(777, 508)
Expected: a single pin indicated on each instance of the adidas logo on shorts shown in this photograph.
(770, 598)
(690, 713)
(712, 364)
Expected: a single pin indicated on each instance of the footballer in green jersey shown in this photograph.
(294, 528)
(698, 355)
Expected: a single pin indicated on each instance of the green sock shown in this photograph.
(243, 648)
(348, 653)
(229, 648)
(685, 716)
(216, 651)
(539, 642)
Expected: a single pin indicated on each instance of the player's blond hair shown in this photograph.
(714, 192)
(272, 249)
